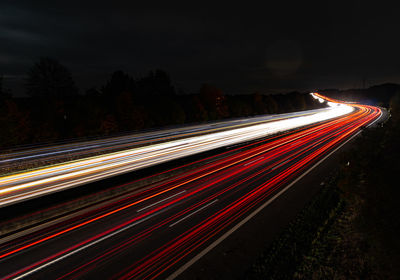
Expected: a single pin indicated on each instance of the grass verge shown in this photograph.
(350, 228)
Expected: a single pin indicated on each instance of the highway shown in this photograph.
(159, 231)
(49, 179)
(65, 151)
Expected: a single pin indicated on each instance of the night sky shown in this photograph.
(241, 48)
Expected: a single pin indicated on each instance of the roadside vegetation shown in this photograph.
(283, 257)
(350, 230)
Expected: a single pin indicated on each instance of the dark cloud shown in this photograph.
(239, 47)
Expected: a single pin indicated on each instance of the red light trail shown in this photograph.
(152, 233)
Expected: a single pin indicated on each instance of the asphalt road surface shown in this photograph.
(159, 232)
(48, 179)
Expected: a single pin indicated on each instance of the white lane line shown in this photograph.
(191, 214)
(279, 165)
(89, 244)
(380, 115)
(253, 161)
(158, 202)
(207, 249)
(245, 220)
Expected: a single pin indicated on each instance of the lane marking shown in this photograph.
(253, 161)
(158, 202)
(279, 165)
(88, 245)
(380, 115)
(191, 214)
(255, 212)
(211, 246)
(6, 239)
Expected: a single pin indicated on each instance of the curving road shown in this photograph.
(49, 179)
(159, 231)
(65, 151)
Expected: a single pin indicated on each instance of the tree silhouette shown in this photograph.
(157, 83)
(258, 104)
(50, 79)
(119, 82)
(272, 105)
(214, 101)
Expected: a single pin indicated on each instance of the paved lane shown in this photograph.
(155, 232)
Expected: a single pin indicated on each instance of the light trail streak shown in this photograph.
(27, 185)
(185, 242)
(250, 154)
(123, 142)
(240, 183)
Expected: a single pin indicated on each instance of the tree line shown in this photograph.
(54, 109)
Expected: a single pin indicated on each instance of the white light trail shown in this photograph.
(34, 183)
